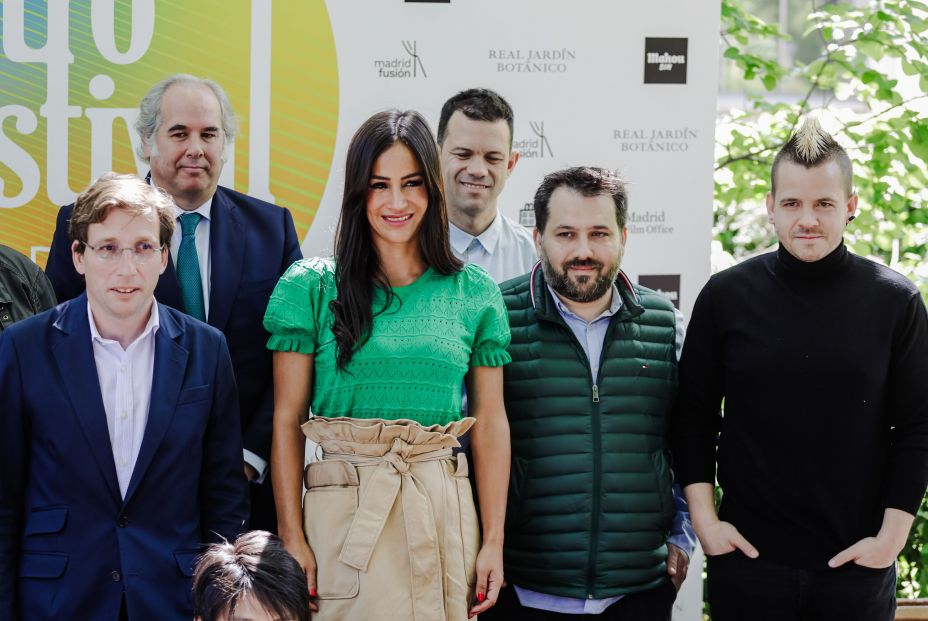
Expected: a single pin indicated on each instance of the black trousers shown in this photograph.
(743, 589)
(653, 605)
(263, 515)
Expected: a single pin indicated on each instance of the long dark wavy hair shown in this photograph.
(358, 268)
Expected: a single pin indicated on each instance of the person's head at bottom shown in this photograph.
(253, 579)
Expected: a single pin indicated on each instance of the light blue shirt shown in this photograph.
(505, 250)
(591, 336)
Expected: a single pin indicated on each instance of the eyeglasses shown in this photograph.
(142, 252)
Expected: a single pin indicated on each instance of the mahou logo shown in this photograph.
(665, 60)
(667, 285)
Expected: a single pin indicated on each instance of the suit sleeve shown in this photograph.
(223, 489)
(257, 435)
(292, 251)
(14, 443)
(66, 282)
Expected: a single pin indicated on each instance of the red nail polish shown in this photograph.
(481, 597)
(312, 592)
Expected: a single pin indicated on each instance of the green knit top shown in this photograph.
(419, 350)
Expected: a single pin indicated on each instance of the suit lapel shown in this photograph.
(73, 351)
(227, 247)
(167, 379)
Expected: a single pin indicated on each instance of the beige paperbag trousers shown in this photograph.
(390, 516)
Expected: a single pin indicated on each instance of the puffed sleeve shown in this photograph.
(491, 334)
(293, 310)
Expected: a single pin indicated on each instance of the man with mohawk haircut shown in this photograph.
(821, 358)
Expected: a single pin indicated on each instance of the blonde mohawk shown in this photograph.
(812, 146)
(811, 140)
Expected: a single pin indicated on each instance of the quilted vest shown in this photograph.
(590, 502)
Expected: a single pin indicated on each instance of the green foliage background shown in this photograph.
(874, 116)
(868, 84)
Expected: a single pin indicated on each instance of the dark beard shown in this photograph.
(582, 291)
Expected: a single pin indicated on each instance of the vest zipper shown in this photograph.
(597, 489)
(597, 448)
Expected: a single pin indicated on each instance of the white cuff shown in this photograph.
(258, 464)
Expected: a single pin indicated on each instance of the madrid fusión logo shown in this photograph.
(402, 67)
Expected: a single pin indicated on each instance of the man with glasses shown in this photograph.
(226, 254)
(120, 449)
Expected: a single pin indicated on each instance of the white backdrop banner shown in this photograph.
(627, 86)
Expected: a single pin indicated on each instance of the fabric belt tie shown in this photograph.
(393, 478)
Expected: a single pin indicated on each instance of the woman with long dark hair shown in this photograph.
(376, 343)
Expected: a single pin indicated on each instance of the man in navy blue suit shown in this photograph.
(237, 247)
(120, 448)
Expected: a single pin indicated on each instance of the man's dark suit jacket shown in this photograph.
(252, 243)
(69, 543)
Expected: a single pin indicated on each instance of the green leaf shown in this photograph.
(770, 82)
(910, 68)
(732, 52)
(871, 48)
(870, 76)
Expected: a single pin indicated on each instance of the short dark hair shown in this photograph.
(256, 563)
(588, 181)
(811, 146)
(477, 104)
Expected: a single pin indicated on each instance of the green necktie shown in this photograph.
(188, 267)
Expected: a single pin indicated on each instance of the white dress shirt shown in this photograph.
(505, 250)
(202, 243)
(125, 384)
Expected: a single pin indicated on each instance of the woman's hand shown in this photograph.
(489, 578)
(303, 554)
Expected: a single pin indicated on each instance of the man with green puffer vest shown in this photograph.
(588, 394)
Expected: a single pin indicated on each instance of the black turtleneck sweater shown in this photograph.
(823, 368)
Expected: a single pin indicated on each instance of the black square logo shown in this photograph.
(667, 285)
(665, 60)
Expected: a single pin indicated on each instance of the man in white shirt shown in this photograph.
(120, 447)
(475, 137)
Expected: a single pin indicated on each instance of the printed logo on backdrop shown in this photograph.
(652, 222)
(654, 139)
(527, 215)
(665, 60)
(408, 65)
(532, 60)
(667, 285)
(536, 147)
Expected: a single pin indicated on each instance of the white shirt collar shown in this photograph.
(489, 239)
(154, 322)
(204, 209)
